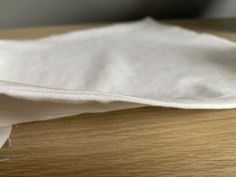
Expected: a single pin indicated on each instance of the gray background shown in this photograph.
(24, 13)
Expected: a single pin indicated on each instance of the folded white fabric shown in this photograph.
(116, 67)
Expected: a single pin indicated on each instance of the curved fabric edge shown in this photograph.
(37, 93)
(4, 134)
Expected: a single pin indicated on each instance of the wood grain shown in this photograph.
(142, 142)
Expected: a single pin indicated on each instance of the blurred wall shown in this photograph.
(23, 13)
(221, 8)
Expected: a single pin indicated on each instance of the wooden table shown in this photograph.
(142, 142)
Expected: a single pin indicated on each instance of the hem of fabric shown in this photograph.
(36, 93)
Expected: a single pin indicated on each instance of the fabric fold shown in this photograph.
(120, 66)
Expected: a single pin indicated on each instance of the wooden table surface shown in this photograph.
(142, 142)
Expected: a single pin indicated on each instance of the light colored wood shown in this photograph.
(142, 142)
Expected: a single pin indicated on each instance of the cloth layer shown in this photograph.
(116, 67)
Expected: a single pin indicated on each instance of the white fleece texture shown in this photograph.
(116, 67)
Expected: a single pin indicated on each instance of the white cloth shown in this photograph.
(116, 67)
